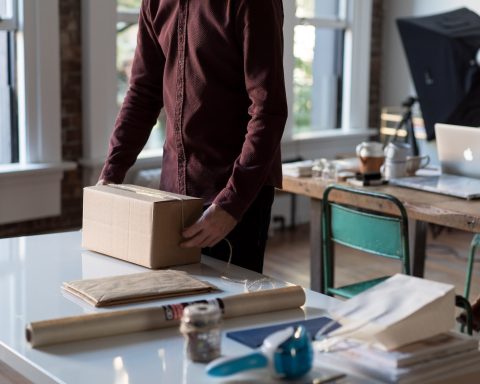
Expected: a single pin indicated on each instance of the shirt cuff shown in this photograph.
(113, 173)
(231, 203)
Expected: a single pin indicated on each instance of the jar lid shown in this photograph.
(201, 314)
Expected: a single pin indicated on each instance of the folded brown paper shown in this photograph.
(136, 287)
(47, 332)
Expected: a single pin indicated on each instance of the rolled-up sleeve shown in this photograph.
(259, 30)
(142, 103)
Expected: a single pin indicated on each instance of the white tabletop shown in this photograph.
(32, 270)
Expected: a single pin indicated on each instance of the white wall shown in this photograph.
(396, 81)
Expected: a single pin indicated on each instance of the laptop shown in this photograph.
(459, 156)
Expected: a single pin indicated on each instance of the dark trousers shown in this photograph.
(249, 237)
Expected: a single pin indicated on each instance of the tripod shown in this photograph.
(407, 122)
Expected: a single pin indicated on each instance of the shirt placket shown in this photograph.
(179, 96)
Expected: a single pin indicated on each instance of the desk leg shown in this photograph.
(418, 247)
(316, 272)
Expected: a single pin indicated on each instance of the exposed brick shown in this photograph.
(375, 64)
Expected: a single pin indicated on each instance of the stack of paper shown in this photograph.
(435, 358)
(298, 168)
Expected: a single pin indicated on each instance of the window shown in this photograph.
(327, 61)
(127, 27)
(8, 124)
(318, 44)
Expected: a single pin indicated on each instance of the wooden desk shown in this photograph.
(422, 207)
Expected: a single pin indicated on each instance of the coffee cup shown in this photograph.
(414, 163)
(394, 169)
(370, 154)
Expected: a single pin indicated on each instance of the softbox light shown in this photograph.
(441, 51)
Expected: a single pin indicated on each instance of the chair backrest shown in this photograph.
(370, 231)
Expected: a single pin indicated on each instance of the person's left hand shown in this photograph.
(213, 226)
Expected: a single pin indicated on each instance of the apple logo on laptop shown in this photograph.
(468, 154)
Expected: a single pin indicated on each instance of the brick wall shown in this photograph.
(71, 92)
(376, 64)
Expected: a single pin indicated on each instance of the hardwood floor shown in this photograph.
(287, 258)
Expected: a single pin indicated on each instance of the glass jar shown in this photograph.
(329, 171)
(200, 326)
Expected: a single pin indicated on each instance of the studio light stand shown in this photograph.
(406, 122)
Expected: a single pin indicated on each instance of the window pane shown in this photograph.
(128, 5)
(126, 43)
(317, 8)
(5, 113)
(6, 9)
(317, 78)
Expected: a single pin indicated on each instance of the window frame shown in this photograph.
(355, 20)
(40, 168)
(10, 147)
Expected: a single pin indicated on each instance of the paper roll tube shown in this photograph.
(74, 328)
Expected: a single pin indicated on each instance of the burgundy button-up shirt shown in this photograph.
(216, 66)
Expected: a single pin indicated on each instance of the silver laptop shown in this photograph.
(459, 155)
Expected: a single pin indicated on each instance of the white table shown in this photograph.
(32, 270)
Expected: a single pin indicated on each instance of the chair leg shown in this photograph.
(471, 259)
(461, 302)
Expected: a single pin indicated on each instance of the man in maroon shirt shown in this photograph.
(215, 66)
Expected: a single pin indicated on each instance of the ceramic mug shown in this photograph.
(395, 151)
(370, 154)
(394, 169)
(414, 163)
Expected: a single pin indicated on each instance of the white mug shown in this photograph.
(393, 170)
(395, 151)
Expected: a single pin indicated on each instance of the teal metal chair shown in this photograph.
(370, 231)
(471, 259)
(463, 302)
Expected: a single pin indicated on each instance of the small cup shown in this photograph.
(414, 163)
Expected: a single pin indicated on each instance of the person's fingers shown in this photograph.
(103, 182)
(195, 241)
(193, 230)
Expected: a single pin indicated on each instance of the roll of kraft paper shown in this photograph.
(62, 330)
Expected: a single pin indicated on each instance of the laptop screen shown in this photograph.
(458, 149)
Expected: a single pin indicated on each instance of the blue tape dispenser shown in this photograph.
(288, 353)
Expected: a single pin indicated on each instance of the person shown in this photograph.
(216, 67)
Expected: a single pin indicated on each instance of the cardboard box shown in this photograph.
(139, 225)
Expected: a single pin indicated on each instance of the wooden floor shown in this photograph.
(287, 258)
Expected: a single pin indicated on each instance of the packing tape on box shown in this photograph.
(91, 326)
(155, 194)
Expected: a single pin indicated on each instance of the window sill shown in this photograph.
(31, 191)
(331, 134)
(324, 143)
(147, 159)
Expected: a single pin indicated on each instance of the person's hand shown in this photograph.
(212, 227)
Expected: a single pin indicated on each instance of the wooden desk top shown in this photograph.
(424, 206)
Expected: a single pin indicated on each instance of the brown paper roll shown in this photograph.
(74, 328)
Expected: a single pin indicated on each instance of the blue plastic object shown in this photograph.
(288, 353)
